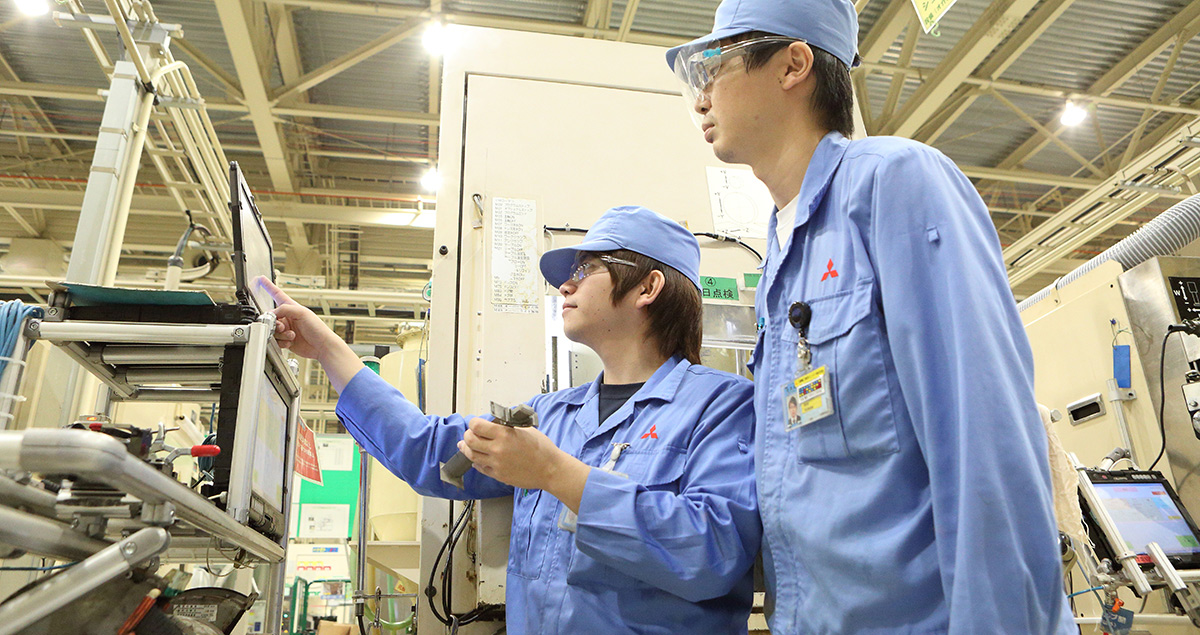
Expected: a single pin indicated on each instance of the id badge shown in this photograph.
(813, 397)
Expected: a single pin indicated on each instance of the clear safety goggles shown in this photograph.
(696, 68)
(586, 268)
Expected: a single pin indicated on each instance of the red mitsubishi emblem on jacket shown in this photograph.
(651, 434)
(830, 272)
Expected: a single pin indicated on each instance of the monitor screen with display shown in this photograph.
(253, 255)
(1146, 511)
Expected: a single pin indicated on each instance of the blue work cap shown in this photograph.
(831, 25)
(634, 228)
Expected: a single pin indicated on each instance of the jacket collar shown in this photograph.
(824, 163)
(662, 384)
(821, 168)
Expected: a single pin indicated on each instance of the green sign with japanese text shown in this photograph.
(712, 288)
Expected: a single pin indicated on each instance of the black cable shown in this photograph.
(730, 239)
(1162, 397)
(430, 590)
(459, 528)
(569, 230)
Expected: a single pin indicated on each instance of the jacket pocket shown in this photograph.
(846, 337)
(530, 533)
(656, 469)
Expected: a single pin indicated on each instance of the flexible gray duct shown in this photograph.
(1169, 232)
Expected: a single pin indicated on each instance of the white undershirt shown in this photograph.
(784, 219)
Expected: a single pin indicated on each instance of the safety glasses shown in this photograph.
(696, 68)
(589, 267)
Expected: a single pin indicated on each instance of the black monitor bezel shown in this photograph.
(238, 187)
(1145, 477)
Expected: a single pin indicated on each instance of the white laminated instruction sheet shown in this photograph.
(516, 282)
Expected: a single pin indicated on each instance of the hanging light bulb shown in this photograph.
(1073, 115)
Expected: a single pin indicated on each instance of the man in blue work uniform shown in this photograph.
(635, 509)
(912, 493)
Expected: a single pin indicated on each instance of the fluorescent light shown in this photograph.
(431, 181)
(425, 219)
(1073, 115)
(33, 7)
(436, 39)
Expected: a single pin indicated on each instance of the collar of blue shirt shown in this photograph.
(663, 384)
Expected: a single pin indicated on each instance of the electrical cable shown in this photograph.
(52, 568)
(12, 319)
(1095, 588)
(456, 529)
(1162, 397)
(447, 572)
(1086, 579)
(730, 239)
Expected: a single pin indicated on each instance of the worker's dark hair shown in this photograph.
(833, 94)
(674, 316)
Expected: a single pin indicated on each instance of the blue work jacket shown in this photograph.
(667, 538)
(922, 504)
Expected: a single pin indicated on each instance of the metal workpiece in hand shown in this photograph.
(520, 416)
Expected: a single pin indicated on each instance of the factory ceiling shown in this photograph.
(331, 107)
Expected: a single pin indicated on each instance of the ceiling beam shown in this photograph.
(1042, 19)
(999, 20)
(287, 52)
(378, 45)
(631, 7)
(472, 19)
(886, 29)
(347, 113)
(251, 75)
(1029, 176)
(978, 84)
(220, 74)
(1103, 205)
(350, 113)
(1129, 65)
(160, 205)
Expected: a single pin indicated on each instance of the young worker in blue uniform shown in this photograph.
(912, 492)
(634, 501)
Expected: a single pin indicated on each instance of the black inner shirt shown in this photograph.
(613, 396)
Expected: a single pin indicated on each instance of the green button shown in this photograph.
(752, 279)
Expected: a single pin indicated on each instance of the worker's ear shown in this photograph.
(798, 59)
(649, 289)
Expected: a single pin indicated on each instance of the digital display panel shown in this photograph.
(1145, 513)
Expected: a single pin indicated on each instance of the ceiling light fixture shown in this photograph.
(33, 8)
(436, 39)
(431, 181)
(1073, 115)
